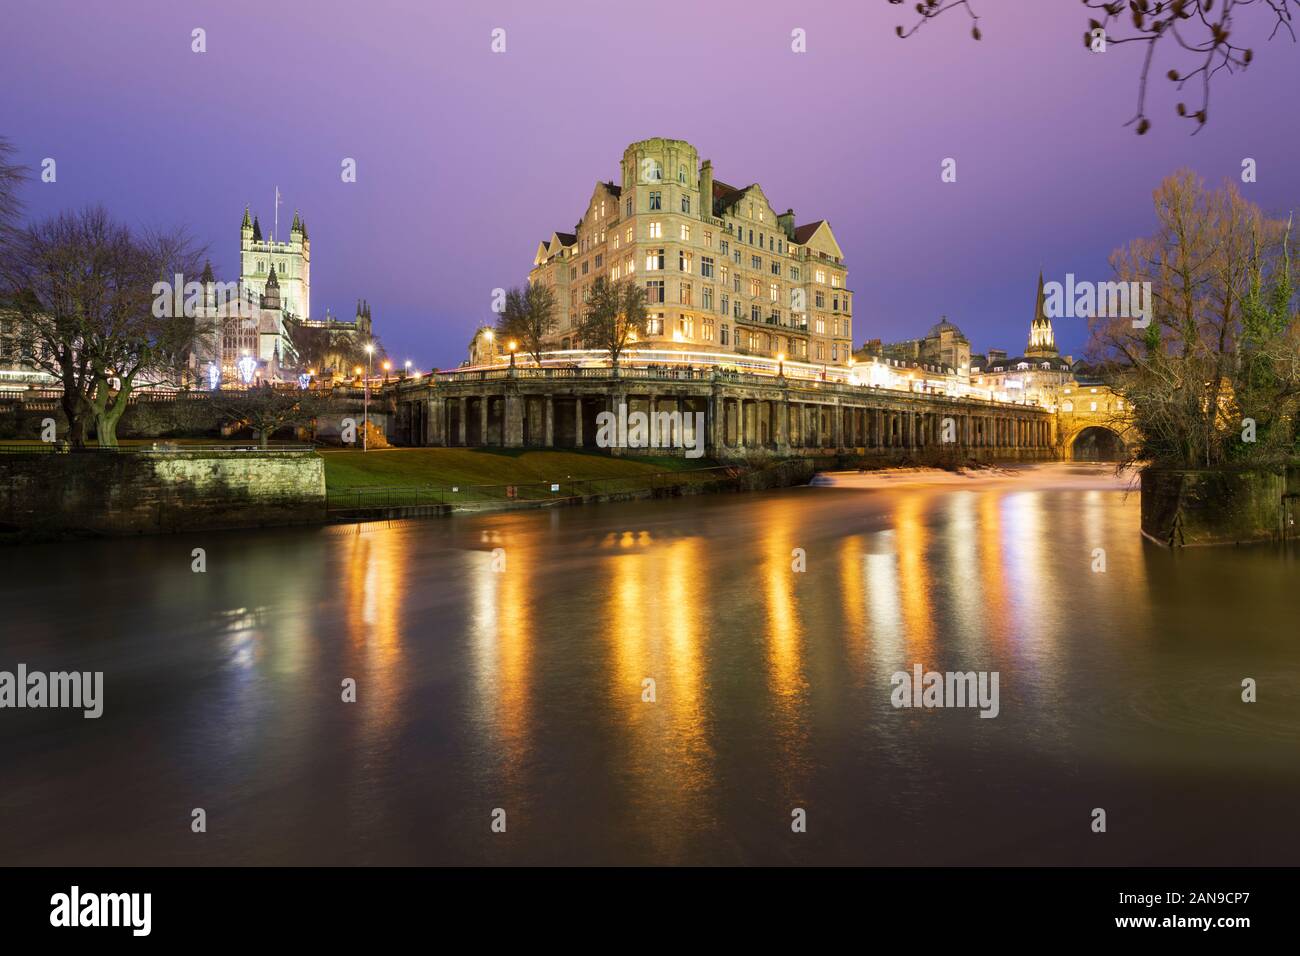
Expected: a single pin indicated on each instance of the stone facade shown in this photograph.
(1183, 508)
(722, 269)
(139, 492)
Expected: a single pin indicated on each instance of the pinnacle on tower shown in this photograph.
(271, 280)
(257, 229)
(246, 223)
(297, 223)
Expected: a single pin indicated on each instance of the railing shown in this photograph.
(376, 497)
(154, 448)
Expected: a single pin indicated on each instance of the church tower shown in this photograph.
(291, 262)
(1042, 342)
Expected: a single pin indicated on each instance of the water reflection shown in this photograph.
(522, 686)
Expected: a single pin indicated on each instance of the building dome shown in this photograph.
(943, 325)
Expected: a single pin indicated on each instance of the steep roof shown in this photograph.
(805, 232)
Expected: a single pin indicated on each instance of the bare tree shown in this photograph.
(267, 408)
(1200, 31)
(528, 317)
(85, 291)
(12, 177)
(613, 315)
(1222, 345)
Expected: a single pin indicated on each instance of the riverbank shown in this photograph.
(1201, 507)
(426, 482)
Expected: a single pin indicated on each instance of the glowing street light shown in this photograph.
(780, 365)
(512, 345)
(365, 402)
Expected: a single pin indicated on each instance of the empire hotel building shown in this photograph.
(722, 270)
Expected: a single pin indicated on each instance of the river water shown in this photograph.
(512, 681)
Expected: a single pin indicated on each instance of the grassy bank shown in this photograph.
(402, 467)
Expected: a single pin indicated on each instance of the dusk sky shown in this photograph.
(466, 158)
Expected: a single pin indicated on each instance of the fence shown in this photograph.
(153, 448)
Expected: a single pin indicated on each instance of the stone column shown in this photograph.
(483, 420)
(512, 421)
(577, 421)
(437, 422)
(549, 438)
(740, 423)
(781, 438)
(463, 425)
(716, 420)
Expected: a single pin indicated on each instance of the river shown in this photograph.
(512, 680)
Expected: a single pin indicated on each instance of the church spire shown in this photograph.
(247, 223)
(257, 229)
(1042, 341)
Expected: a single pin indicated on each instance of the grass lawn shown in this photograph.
(398, 467)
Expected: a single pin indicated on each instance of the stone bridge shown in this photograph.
(744, 414)
(1093, 424)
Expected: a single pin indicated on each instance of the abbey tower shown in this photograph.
(292, 262)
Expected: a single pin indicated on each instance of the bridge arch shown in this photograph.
(1096, 443)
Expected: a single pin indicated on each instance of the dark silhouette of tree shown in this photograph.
(83, 286)
(528, 318)
(1223, 344)
(12, 176)
(1198, 30)
(268, 408)
(613, 315)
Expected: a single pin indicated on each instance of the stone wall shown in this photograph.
(1188, 508)
(140, 492)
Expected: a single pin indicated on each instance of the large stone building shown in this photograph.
(247, 336)
(722, 269)
(945, 347)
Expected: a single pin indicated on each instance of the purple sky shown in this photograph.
(467, 158)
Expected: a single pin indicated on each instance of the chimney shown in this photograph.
(786, 222)
(706, 189)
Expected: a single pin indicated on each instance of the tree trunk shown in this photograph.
(108, 413)
(72, 411)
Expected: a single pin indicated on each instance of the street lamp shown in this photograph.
(387, 367)
(408, 368)
(365, 402)
(780, 365)
(512, 346)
